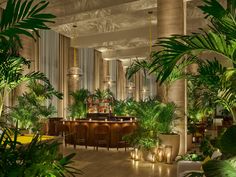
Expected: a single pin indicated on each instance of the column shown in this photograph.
(171, 20)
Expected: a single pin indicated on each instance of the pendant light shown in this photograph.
(75, 71)
(131, 85)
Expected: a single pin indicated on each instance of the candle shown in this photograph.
(132, 154)
(121, 120)
(130, 119)
(153, 158)
(168, 154)
(105, 120)
(160, 154)
(90, 120)
(136, 154)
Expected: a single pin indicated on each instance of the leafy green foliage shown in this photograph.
(103, 94)
(22, 17)
(78, 109)
(206, 147)
(220, 168)
(125, 107)
(191, 157)
(227, 143)
(31, 109)
(154, 117)
(35, 159)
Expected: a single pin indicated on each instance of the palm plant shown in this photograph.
(18, 160)
(78, 108)
(31, 110)
(145, 66)
(18, 18)
(219, 40)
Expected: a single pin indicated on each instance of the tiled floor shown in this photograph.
(113, 163)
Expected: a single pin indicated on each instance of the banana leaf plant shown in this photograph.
(19, 18)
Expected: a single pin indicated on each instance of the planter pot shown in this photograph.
(171, 140)
(189, 141)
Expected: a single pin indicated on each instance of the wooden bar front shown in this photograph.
(115, 128)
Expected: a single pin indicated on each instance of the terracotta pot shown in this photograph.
(172, 140)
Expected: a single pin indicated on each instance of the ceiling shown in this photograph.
(120, 29)
(117, 28)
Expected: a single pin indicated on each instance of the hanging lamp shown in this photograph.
(75, 71)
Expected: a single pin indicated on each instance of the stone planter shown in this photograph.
(172, 140)
(184, 167)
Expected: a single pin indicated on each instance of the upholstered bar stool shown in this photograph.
(81, 135)
(127, 130)
(101, 136)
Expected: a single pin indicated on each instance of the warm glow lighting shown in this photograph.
(160, 154)
(168, 154)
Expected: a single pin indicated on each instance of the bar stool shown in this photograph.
(81, 135)
(102, 136)
(127, 130)
(64, 131)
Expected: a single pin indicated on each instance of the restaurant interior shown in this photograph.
(121, 88)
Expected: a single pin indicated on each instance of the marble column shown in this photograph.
(171, 20)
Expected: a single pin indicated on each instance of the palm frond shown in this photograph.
(222, 19)
(137, 65)
(177, 47)
(23, 17)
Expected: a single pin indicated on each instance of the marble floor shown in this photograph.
(113, 163)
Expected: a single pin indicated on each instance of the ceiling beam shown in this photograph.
(126, 53)
(107, 39)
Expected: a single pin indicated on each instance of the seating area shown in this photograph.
(117, 88)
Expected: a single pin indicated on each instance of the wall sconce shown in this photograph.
(160, 154)
(168, 153)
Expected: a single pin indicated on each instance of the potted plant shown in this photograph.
(79, 107)
(167, 136)
(31, 113)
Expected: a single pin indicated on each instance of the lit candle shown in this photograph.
(160, 154)
(168, 154)
(121, 120)
(90, 120)
(136, 154)
(132, 154)
(105, 120)
(130, 119)
(153, 158)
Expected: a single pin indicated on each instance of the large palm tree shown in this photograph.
(220, 39)
(19, 18)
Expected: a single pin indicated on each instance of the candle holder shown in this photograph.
(168, 154)
(160, 154)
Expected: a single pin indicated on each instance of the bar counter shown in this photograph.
(115, 129)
